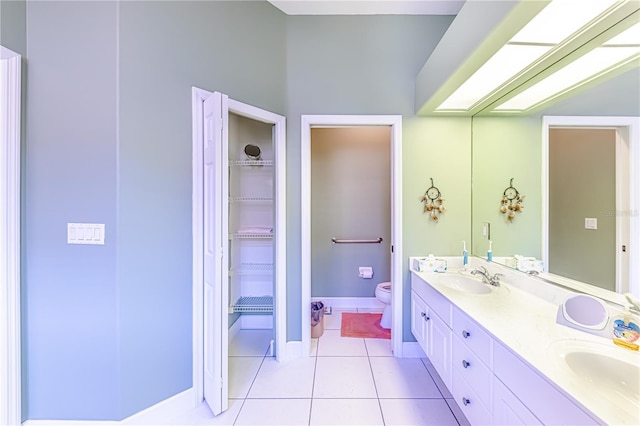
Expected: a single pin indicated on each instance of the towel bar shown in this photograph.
(340, 241)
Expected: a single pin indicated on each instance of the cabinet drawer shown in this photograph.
(438, 304)
(469, 402)
(474, 372)
(472, 335)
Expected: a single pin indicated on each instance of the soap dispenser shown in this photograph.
(625, 331)
(490, 252)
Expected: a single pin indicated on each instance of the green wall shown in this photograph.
(438, 148)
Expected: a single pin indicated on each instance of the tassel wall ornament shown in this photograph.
(511, 202)
(433, 202)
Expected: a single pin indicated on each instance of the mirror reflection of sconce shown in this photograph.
(511, 202)
(433, 202)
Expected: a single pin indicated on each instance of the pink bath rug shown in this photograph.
(363, 325)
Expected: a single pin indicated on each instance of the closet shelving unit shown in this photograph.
(251, 213)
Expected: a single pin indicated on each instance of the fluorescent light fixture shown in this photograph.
(616, 52)
(556, 23)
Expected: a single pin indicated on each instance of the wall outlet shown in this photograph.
(486, 230)
(590, 223)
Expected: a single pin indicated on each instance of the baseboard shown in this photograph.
(159, 413)
(412, 350)
(294, 349)
(350, 302)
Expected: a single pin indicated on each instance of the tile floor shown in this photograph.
(345, 381)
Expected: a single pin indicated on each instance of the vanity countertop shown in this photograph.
(526, 324)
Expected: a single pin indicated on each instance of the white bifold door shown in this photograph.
(244, 233)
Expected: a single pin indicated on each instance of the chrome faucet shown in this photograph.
(486, 276)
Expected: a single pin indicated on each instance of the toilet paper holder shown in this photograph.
(365, 272)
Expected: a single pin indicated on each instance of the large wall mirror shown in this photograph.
(572, 182)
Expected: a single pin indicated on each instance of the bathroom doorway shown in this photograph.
(350, 201)
(344, 281)
(619, 213)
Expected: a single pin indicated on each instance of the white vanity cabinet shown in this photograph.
(430, 319)
(544, 400)
(472, 383)
(490, 383)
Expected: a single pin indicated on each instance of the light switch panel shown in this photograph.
(85, 233)
(590, 223)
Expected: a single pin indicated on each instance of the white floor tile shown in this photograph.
(403, 378)
(418, 412)
(289, 379)
(332, 344)
(378, 347)
(462, 419)
(334, 321)
(313, 351)
(343, 377)
(202, 415)
(371, 310)
(345, 412)
(242, 372)
(436, 378)
(250, 343)
(278, 412)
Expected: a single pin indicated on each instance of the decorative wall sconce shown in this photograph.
(511, 202)
(433, 202)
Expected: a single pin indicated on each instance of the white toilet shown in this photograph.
(383, 294)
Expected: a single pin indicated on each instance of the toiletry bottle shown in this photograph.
(490, 252)
(625, 331)
(465, 255)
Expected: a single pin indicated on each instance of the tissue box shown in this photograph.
(429, 264)
(528, 264)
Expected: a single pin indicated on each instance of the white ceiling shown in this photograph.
(367, 7)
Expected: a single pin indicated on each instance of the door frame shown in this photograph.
(197, 210)
(10, 110)
(627, 138)
(395, 122)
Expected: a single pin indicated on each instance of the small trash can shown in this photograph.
(317, 319)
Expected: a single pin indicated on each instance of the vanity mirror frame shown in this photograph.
(627, 232)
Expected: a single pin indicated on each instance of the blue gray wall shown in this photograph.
(108, 328)
(352, 65)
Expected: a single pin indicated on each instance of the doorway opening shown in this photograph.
(393, 246)
(623, 191)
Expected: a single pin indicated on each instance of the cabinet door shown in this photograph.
(419, 320)
(507, 409)
(440, 348)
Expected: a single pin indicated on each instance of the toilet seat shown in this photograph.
(386, 287)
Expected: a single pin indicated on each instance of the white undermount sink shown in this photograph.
(606, 368)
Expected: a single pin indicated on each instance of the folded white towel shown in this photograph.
(256, 230)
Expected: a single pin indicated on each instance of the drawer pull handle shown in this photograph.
(465, 401)
(424, 315)
(465, 363)
(465, 334)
